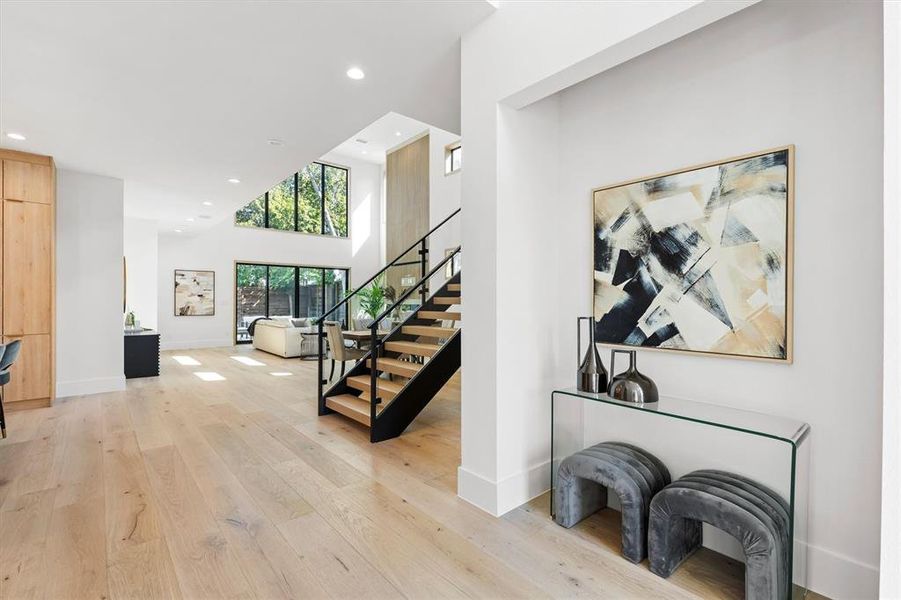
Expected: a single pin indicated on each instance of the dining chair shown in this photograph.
(338, 350)
(8, 355)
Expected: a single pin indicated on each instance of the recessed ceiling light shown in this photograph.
(207, 203)
(364, 152)
(16, 136)
(275, 142)
(361, 141)
(234, 180)
(204, 217)
(397, 133)
(190, 219)
(356, 73)
(178, 231)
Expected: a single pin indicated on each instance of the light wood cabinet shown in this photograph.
(27, 291)
(27, 181)
(27, 232)
(30, 382)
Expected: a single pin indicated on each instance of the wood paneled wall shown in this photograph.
(28, 230)
(406, 204)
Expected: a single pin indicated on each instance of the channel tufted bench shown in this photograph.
(754, 514)
(634, 476)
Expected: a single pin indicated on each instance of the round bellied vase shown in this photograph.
(631, 385)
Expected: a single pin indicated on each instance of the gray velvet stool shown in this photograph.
(633, 474)
(752, 513)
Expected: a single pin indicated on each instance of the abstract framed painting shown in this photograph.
(698, 259)
(195, 293)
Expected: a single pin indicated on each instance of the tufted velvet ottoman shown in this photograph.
(634, 476)
(754, 514)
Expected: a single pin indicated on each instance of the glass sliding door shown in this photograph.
(334, 290)
(281, 291)
(286, 291)
(250, 297)
(309, 292)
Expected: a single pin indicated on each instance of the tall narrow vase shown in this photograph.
(592, 376)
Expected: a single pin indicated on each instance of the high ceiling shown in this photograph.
(387, 133)
(178, 97)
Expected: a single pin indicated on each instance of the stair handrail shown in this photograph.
(318, 323)
(375, 342)
(415, 286)
(348, 297)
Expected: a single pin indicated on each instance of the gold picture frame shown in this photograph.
(669, 217)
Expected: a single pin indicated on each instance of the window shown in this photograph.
(286, 291)
(313, 200)
(252, 215)
(453, 158)
(280, 208)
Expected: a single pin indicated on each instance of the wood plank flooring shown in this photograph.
(184, 488)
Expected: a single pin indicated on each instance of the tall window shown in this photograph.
(313, 200)
(286, 291)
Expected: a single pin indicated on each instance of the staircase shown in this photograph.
(404, 369)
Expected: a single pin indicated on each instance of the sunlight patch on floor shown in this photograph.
(281, 374)
(209, 376)
(250, 362)
(186, 361)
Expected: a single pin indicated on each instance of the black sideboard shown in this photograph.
(142, 354)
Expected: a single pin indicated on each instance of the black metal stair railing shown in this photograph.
(376, 342)
(423, 250)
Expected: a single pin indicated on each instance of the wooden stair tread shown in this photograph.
(447, 300)
(395, 366)
(453, 287)
(439, 315)
(387, 389)
(415, 348)
(351, 407)
(429, 331)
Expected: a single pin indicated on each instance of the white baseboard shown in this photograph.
(499, 497)
(84, 387)
(195, 344)
(477, 490)
(837, 576)
(517, 489)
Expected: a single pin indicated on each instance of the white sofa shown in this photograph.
(282, 338)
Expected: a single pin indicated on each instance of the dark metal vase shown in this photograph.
(592, 376)
(630, 385)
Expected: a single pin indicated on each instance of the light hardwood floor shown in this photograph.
(187, 488)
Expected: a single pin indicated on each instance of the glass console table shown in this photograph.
(788, 441)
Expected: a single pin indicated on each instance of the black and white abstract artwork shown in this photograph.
(698, 260)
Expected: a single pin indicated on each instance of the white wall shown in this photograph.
(89, 250)
(218, 248)
(774, 74)
(890, 556)
(444, 198)
(779, 74)
(141, 255)
(523, 50)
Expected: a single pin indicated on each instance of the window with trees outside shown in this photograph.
(313, 200)
(286, 291)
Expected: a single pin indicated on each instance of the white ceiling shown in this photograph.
(176, 98)
(383, 135)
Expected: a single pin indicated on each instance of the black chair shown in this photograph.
(8, 355)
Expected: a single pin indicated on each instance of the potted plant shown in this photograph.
(372, 300)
